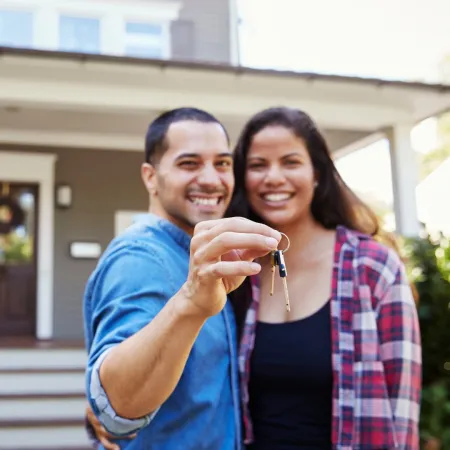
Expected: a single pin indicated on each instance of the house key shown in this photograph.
(277, 260)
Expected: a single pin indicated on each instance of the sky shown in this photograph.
(391, 39)
(398, 39)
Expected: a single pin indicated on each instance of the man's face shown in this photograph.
(194, 179)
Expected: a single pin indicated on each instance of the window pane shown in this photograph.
(16, 28)
(79, 34)
(144, 28)
(144, 40)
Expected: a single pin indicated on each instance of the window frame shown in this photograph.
(113, 35)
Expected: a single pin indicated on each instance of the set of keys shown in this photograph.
(277, 260)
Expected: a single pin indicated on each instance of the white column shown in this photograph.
(404, 179)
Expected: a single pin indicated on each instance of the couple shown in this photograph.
(188, 349)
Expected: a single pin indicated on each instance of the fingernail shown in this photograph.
(277, 235)
(271, 243)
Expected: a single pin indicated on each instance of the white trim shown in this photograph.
(234, 25)
(58, 138)
(138, 88)
(149, 10)
(38, 168)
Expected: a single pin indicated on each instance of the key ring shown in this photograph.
(288, 243)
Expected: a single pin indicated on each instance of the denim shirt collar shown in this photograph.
(179, 236)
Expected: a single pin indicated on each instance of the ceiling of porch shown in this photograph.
(109, 130)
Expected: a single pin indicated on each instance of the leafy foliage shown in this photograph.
(429, 267)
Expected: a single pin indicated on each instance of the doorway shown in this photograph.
(19, 203)
(38, 169)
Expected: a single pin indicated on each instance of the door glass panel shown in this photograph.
(17, 223)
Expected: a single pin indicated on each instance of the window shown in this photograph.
(79, 34)
(144, 40)
(16, 28)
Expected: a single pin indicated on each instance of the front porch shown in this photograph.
(80, 119)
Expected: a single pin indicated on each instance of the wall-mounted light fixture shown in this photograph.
(63, 196)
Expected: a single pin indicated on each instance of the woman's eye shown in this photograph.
(255, 166)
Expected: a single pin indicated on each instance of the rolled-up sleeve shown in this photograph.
(129, 288)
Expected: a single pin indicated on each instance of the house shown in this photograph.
(79, 82)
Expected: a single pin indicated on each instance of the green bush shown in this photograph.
(428, 261)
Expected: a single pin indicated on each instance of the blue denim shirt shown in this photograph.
(139, 271)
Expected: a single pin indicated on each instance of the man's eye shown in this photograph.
(188, 164)
(224, 163)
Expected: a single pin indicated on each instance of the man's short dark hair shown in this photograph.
(156, 139)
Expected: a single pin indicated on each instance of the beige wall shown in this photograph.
(102, 182)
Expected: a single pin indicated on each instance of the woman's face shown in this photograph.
(280, 179)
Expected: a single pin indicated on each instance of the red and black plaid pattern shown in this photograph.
(376, 349)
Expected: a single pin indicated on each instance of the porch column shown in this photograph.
(404, 179)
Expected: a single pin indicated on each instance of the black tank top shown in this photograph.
(291, 384)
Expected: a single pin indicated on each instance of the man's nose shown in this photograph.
(209, 176)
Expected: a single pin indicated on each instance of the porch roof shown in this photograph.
(56, 98)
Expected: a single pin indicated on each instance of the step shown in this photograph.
(42, 382)
(59, 448)
(61, 434)
(42, 358)
(38, 407)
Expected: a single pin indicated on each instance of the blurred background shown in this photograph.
(81, 79)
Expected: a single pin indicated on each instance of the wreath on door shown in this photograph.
(11, 214)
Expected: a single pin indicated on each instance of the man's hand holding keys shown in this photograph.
(222, 255)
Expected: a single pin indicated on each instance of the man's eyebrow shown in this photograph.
(198, 155)
(187, 155)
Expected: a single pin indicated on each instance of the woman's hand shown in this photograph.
(100, 431)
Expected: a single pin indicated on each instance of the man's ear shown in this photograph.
(148, 174)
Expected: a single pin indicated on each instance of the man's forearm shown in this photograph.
(140, 373)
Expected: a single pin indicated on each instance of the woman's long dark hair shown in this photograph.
(333, 203)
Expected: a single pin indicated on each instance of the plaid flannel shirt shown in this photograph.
(376, 350)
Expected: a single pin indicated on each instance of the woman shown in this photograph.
(341, 369)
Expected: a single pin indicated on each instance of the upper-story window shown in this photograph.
(144, 40)
(132, 28)
(79, 34)
(16, 28)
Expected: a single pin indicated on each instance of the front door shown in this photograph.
(18, 231)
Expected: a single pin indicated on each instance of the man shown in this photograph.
(159, 329)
